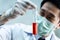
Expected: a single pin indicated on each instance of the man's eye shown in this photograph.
(50, 17)
(42, 13)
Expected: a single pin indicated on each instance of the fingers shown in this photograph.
(30, 5)
(19, 8)
(23, 6)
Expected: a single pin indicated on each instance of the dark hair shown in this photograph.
(54, 2)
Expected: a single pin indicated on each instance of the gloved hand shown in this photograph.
(20, 8)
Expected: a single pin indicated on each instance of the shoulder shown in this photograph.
(55, 36)
(52, 36)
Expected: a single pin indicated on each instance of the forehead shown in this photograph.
(50, 7)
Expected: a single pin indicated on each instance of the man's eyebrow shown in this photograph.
(43, 9)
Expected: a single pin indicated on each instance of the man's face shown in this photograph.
(51, 13)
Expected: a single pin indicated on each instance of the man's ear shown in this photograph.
(58, 26)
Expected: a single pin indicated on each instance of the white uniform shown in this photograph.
(20, 32)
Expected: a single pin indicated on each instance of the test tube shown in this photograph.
(34, 24)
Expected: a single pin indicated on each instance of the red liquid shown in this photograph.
(34, 28)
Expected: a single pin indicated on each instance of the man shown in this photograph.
(49, 16)
(49, 11)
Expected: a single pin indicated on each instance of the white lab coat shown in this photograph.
(20, 32)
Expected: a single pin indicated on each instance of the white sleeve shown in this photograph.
(5, 34)
(24, 27)
(1, 37)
